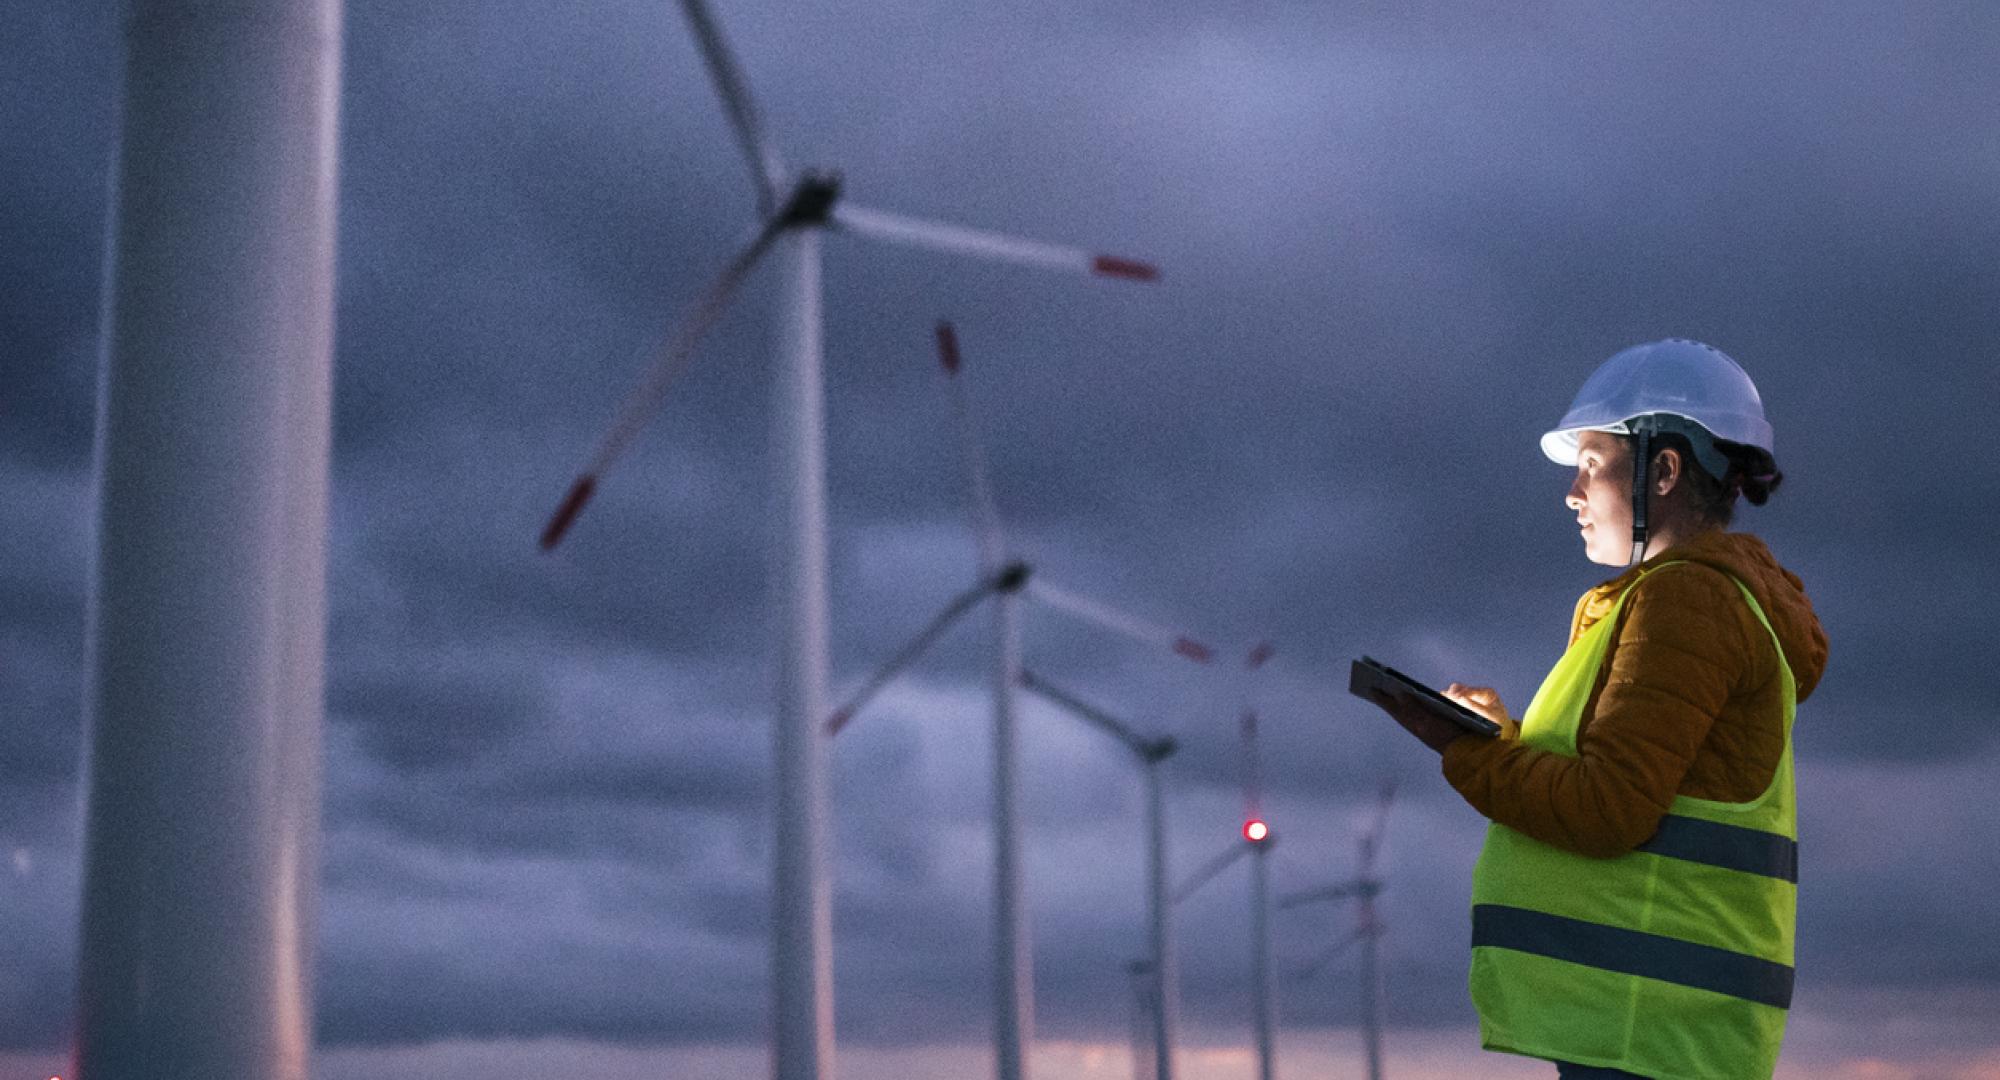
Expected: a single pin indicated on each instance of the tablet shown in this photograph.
(1369, 675)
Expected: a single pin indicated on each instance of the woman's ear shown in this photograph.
(1666, 470)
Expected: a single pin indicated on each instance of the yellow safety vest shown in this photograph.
(1672, 961)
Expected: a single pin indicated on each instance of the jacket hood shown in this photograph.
(1778, 591)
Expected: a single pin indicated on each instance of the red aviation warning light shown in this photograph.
(1255, 831)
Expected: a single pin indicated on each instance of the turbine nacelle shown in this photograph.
(812, 199)
(1012, 577)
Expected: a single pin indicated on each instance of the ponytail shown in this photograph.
(1752, 471)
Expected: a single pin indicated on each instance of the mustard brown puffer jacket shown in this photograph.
(1688, 702)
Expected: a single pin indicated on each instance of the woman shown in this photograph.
(1633, 907)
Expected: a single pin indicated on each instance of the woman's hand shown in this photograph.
(1485, 701)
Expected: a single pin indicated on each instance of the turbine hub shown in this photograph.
(811, 202)
(1011, 577)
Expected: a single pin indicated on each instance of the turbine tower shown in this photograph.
(1145, 1009)
(1257, 840)
(795, 209)
(205, 696)
(1363, 888)
(1005, 579)
(1262, 1006)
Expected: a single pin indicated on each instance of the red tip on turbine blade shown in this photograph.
(837, 721)
(1113, 266)
(947, 344)
(572, 505)
(1193, 650)
(1264, 651)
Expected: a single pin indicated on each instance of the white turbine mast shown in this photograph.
(204, 701)
(1005, 579)
(1258, 839)
(1263, 1006)
(1363, 888)
(794, 210)
(1145, 1010)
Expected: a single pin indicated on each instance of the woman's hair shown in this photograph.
(1752, 473)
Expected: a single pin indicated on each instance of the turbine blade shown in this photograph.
(1259, 654)
(1207, 873)
(985, 514)
(572, 505)
(766, 168)
(1311, 967)
(1102, 615)
(916, 646)
(645, 399)
(1323, 894)
(898, 229)
(1086, 712)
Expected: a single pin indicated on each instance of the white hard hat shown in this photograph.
(1664, 379)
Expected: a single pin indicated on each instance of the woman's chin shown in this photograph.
(1596, 553)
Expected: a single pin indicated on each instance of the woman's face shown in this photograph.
(1601, 495)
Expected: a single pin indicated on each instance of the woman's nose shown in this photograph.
(1574, 499)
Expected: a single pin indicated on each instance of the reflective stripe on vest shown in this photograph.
(1671, 961)
(1633, 953)
(1729, 846)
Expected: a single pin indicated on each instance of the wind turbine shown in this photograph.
(1150, 752)
(1363, 888)
(1005, 580)
(1257, 840)
(794, 209)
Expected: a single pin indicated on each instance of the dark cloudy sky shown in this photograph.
(1395, 238)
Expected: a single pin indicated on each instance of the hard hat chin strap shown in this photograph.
(1642, 454)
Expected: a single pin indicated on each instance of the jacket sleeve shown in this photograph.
(1679, 653)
